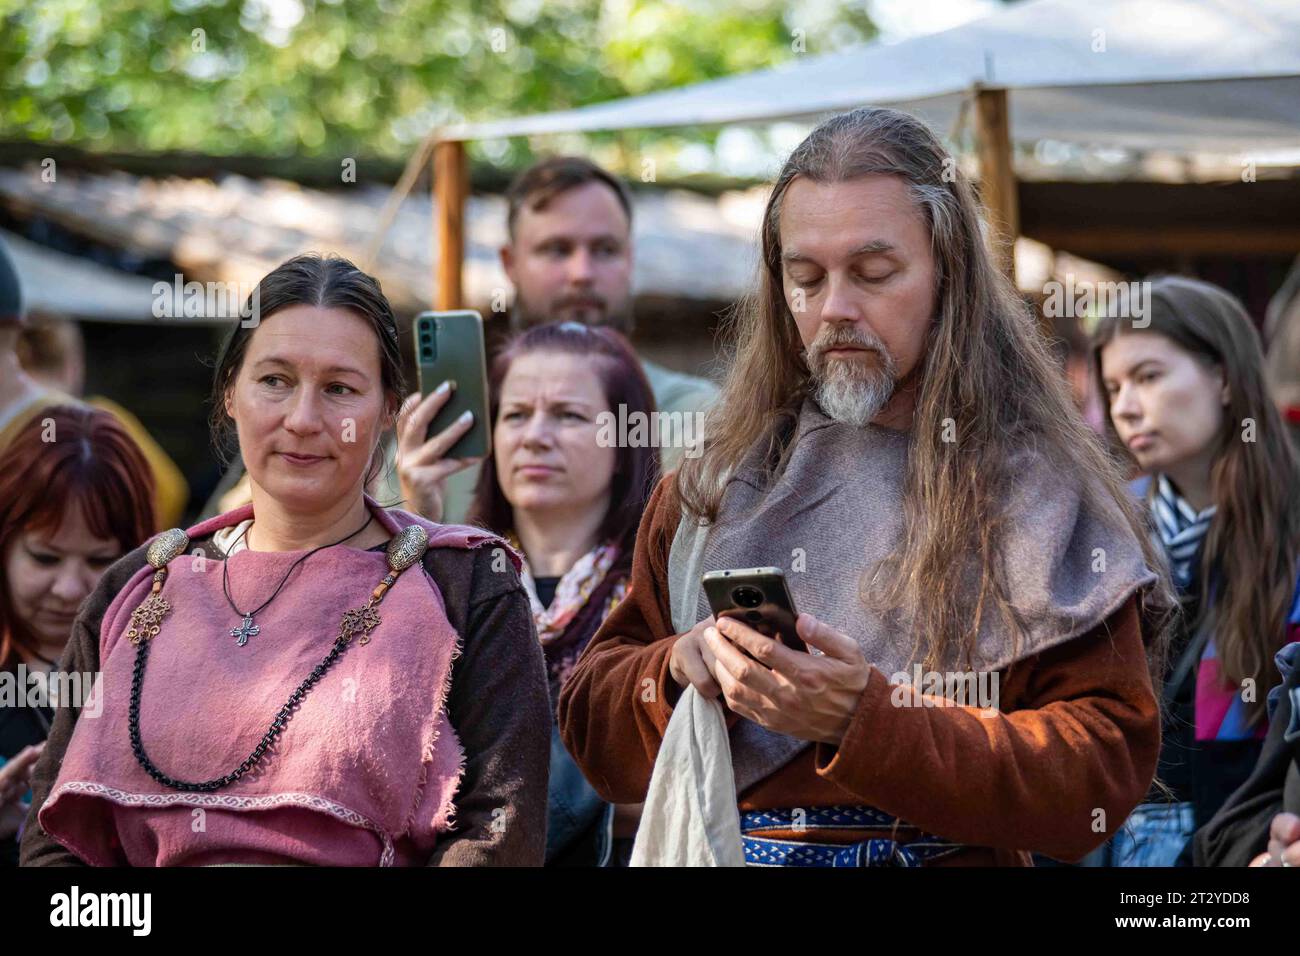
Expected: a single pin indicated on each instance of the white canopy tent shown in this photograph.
(1178, 75)
(71, 285)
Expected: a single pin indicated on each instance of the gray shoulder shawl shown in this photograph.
(836, 510)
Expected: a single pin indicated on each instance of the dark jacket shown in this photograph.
(1239, 832)
(1201, 772)
(20, 727)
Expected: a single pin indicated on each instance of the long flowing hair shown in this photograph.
(1251, 554)
(988, 378)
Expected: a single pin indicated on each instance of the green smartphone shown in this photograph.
(449, 348)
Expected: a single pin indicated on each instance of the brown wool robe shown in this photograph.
(497, 698)
(1078, 733)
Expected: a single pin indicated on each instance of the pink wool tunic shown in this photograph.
(367, 767)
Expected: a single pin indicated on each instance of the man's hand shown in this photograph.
(422, 466)
(790, 692)
(1283, 842)
(691, 662)
(15, 781)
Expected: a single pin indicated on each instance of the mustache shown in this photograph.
(581, 300)
(834, 337)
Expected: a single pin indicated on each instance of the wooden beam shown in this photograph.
(997, 175)
(450, 188)
(1223, 241)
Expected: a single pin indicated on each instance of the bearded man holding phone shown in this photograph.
(894, 435)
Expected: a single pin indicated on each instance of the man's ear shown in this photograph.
(507, 253)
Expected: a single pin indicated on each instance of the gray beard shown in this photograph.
(853, 399)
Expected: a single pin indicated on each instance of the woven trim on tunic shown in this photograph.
(306, 801)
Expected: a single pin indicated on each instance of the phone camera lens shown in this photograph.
(746, 596)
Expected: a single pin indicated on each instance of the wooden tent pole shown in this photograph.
(997, 175)
(450, 188)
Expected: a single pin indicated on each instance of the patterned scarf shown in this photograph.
(1182, 529)
(572, 592)
(576, 587)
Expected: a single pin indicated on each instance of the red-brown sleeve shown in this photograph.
(1058, 774)
(616, 704)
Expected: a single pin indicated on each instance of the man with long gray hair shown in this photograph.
(893, 434)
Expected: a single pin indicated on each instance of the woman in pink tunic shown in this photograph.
(312, 678)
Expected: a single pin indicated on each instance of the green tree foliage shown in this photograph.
(327, 77)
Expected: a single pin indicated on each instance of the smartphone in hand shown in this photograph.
(449, 347)
(757, 597)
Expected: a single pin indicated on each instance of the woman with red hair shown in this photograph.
(75, 495)
(569, 494)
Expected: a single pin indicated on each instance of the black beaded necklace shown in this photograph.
(268, 739)
(248, 629)
(405, 549)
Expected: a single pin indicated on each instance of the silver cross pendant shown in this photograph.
(245, 630)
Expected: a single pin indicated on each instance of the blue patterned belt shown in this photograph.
(763, 851)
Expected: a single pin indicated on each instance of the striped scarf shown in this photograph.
(1181, 528)
(1220, 712)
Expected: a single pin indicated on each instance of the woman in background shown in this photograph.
(53, 352)
(1186, 397)
(75, 495)
(568, 492)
